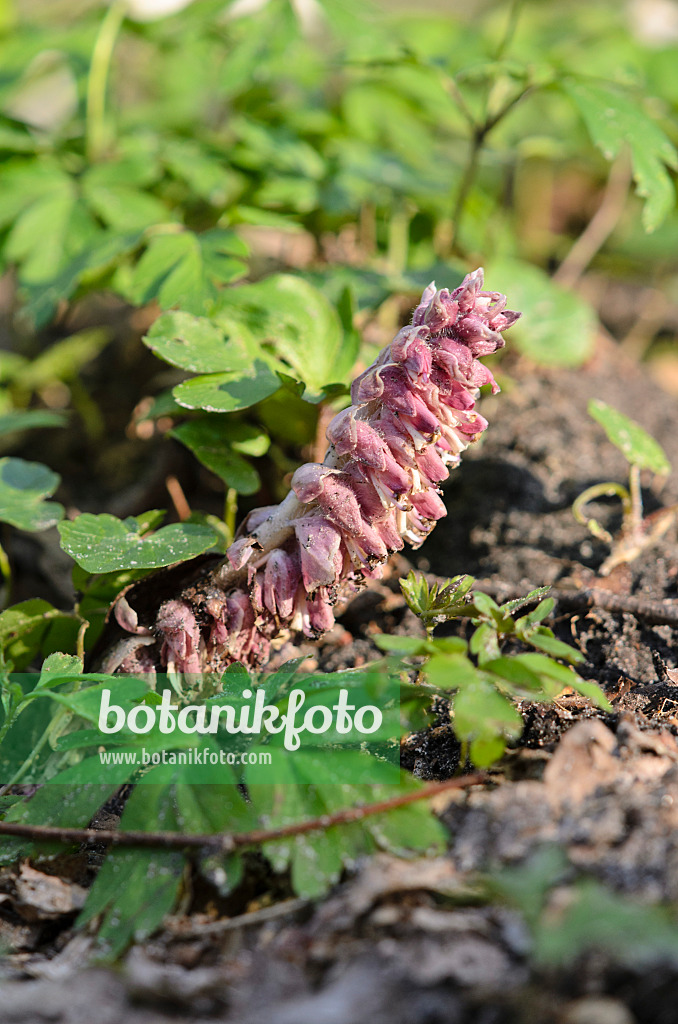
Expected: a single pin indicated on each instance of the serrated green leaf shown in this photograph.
(103, 543)
(196, 343)
(184, 269)
(296, 319)
(37, 240)
(136, 888)
(123, 207)
(614, 120)
(23, 489)
(227, 392)
(58, 664)
(639, 447)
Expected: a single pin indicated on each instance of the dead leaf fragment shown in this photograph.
(41, 896)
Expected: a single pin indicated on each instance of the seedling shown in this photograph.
(638, 532)
(482, 679)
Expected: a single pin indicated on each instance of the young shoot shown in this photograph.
(638, 532)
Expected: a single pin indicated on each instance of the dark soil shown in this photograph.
(416, 942)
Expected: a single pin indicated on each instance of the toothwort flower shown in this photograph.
(412, 414)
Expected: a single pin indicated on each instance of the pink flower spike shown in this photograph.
(413, 413)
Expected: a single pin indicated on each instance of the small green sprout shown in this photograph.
(642, 452)
(481, 680)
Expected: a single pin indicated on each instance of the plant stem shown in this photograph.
(6, 573)
(510, 30)
(636, 511)
(600, 226)
(597, 491)
(467, 179)
(96, 131)
(398, 240)
(480, 133)
(228, 842)
(231, 512)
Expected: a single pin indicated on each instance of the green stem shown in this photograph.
(96, 130)
(480, 133)
(398, 240)
(6, 573)
(466, 183)
(597, 491)
(231, 511)
(510, 30)
(635, 513)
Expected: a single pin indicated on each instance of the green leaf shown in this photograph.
(558, 327)
(519, 602)
(614, 121)
(196, 343)
(592, 692)
(70, 801)
(123, 207)
(22, 629)
(485, 750)
(522, 679)
(135, 889)
(408, 645)
(482, 713)
(639, 447)
(65, 359)
(450, 671)
(544, 640)
(296, 319)
(38, 238)
(227, 392)
(27, 419)
(103, 543)
(185, 270)
(23, 489)
(594, 918)
(215, 441)
(484, 643)
(58, 664)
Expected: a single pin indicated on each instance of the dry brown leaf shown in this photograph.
(41, 896)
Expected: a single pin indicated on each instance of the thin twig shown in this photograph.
(176, 493)
(228, 842)
(478, 137)
(178, 929)
(601, 225)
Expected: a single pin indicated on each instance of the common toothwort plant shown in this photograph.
(412, 414)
